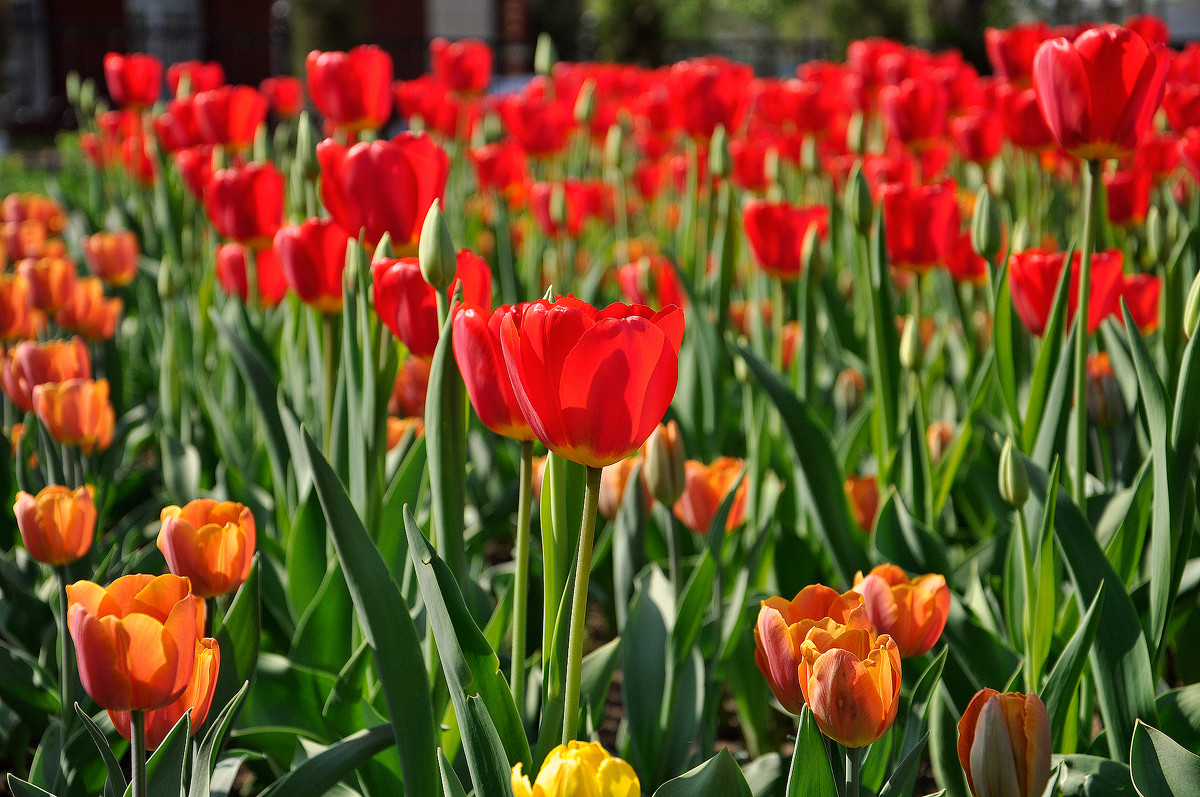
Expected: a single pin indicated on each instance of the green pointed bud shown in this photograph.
(558, 205)
(73, 86)
(986, 233)
(101, 107)
(856, 133)
(741, 371)
(811, 254)
(1020, 236)
(492, 127)
(435, 251)
(911, 350)
(220, 158)
(859, 205)
(384, 248)
(1014, 479)
(1000, 181)
(772, 166)
(87, 97)
(665, 468)
(614, 144)
(262, 149)
(585, 103)
(810, 160)
(545, 55)
(355, 255)
(306, 150)
(1156, 236)
(549, 296)
(718, 153)
(1191, 310)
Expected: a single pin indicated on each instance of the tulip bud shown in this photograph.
(848, 391)
(1004, 744)
(73, 86)
(585, 103)
(262, 148)
(810, 158)
(306, 150)
(614, 144)
(666, 464)
(986, 234)
(718, 153)
(911, 353)
(1014, 479)
(859, 206)
(1191, 311)
(439, 262)
(545, 55)
(938, 437)
(1105, 406)
(1156, 236)
(856, 133)
(558, 205)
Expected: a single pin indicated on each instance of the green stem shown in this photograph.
(579, 606)
(671, 531)
(137, 749)
(854, 759)
(65, 662)
(1092, 186)
(521, 587)
(330, 378)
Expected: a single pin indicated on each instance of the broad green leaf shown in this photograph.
(1052, 431)
(1161, 767)
(306, 562)
(1179, 715)
(921, 700)
(388, 628)
(321, 772)
(1062, 682)
(321, 639)
(238, 637)
(904, 540)
(21, 788)
(627, 556)
(810, 774)
(597, 672)
(904, 776)
(1006, 368)
(718, 775)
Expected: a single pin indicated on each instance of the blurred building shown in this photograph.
(47, 39)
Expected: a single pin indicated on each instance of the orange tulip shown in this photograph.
(112, 256)
(197, 696)
(863, 494)
(782, 626)
(30, 364)
(51, 281)
(613, 481)
(58, 524)
(1004, 744)
(135, 639)
(851, 680)
(88, 313)
(705, 489)
(76, 412)
(912, 611)
(209, 542)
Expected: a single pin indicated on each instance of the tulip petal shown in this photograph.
(1063, 92)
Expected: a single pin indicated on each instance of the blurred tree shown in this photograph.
(326, 25)
(559, 18)
(630, 31)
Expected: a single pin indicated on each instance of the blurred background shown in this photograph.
(41, 41)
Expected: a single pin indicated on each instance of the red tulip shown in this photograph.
(1128, 195)
(749, 159)
(1022, 119)
(134, 80)
(963, 262)
(539, 126)
(138, 161)
(465, 66)
(1011, 50)
(285, 95)
(194, 165)
(1141, 292)
(480, 359)
(313, 256)
(411, 387)
(382, 186)
(231, 273)
(499, 167)
(1033, 278)
(352, 89)
(29, 364)
(245, 203)
(916, 111)
(230, 116)
(651, 281)
(1181, 104)
(706, 92)
(1158, 153)
(176, 127)
(593, 384)
(582, 200)
(1099, 93)
(201, 75)
(922, 223)
(1150, 28)
(1189, 151)
(977, 134)
(407, 304)
(776, 232)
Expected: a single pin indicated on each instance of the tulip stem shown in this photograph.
(137, 750)
(671, 531)
(330, 380)
(854, 760)
(1091, 186)
(64, 638)
(521, 585)
(583, 571)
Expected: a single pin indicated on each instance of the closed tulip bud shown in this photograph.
(585, 103)
(718, 152)
(772, 166)
(58, 524)
(851, 680)
(87, 98)
(859, 206)
(986, 234)
(665, 470)
(73, 85)
(578, 769)
(197, 698)
(911, 349)
(1191, 311)
(545, 55)
(306, 148)
(209, 542)
(1105, 406)
(1014, 479)
(912, 611)
(856, 133)
(614, 145)
(1157, 244)
(1004, 744)
(439, 262)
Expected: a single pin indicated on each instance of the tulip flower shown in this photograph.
(1151, 28)
(246, 203)
(1141, 292)
(138, 160)
(499, 167)
(705, 488)
(1099, 92)
(209, 542)
(782, 626)
(230, 116)
(776, 231)
(176, 127)
(912, 611)
(1181, 104)
(613, 482)
(977, 134)
(194, 165)
(464, 66)
(382, 186)
(1105, 405)
(922, 223)
(134, 80)
(271, 283)
(582, 200)
(135, 639)
(201, 76)
(1128, 195)
(1034, 275)
(1011, 51)
(1158, 154)
(540, 127)
(313, 257)
(197, 697)
(58, 524)
(1004, 744)
(652, 281)
(916, 111)
(851, 680)
(666, 464)
(407, 304)
(351, 89)
(477, 350)
(1021, 118)
(88, 313)
(592, 383)
(578, 769)
(285, 95)
(706, 92)
(112, 256)
(50, 279)
(16, 319)
(411, 388)
(963, 262)
(76, 413)
(862, 493)
(749, 160)
(29, 364)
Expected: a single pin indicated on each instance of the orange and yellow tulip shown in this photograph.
(51, 281)
(1004, 744)
(88, 313)
(704, 490)
(58, 524)
(197, 696)
(578, 769)
(912, 611)
(209, 542)
(30, 364)
(112, 256)
(76, 412)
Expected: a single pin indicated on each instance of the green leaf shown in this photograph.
(1047, 360)
(597, 673)
(321, 640)
(810, 774)
(820, 481)
(1060, 685)
(388, 628)
(1052, 431)
(321, 772)
(627, 547)
(1090, 776)
(471, 666)
(644, 665)
(306, 561)
(1160, 767)
(164, 770)
(718, 775)
(451, 785)
(21, 788)
(1006, 368)
(904, 540)
(238, 637)
(210, 748)
(921, 700)
(1179, 715)
(904, 776)
(116, 783)
(492, 773)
